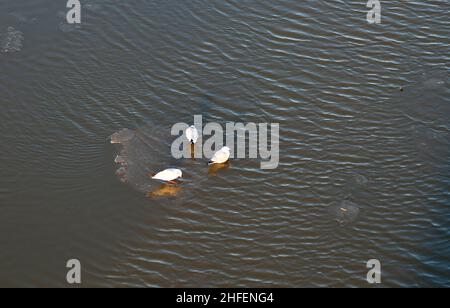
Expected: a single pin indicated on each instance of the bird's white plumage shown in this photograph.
(192, 134)
(168, 175)
(221, 156)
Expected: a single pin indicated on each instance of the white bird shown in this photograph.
(192, 134)
(221, 156)
(168, 175)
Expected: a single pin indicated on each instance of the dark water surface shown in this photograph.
(364, 167)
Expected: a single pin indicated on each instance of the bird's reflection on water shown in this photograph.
(193, 151)
(165, 190)
(215, 168)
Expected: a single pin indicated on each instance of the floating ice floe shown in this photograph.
(119, 160)
(93, 7)
(344, 211)
(122, 136)
(11, 41)
(66, 27)
(23, 19)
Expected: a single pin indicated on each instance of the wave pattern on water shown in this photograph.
(364, 149)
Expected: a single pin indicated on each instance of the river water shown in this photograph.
(364, 115)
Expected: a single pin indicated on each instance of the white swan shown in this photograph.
(168, 175)
(221, 156)
(192, 134)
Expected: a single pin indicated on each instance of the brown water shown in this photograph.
(349, 138)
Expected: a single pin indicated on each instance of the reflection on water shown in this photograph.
(165, 190)
(215, 168)
(193, 149)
